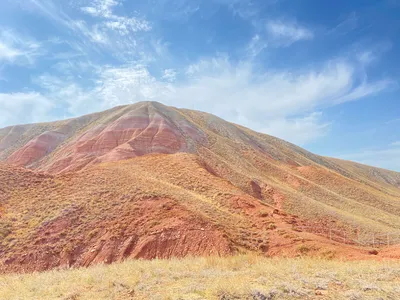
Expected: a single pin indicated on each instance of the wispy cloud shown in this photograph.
(50, 10)
(256, 46)
(8, 53)
(94, 33)
(288, 92)
(300, 130)
(17, 49)
(169, 75)
(111, 56)
(346, 25)
(79, 30)
(288, 32)
(397, 144)
(282, 103)
(112, 86)
(101, 8)
(121, 24)
(106, 32)
(279, 102)
(366, 57)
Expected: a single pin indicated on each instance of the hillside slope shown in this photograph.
(147, 180)
(150, 127)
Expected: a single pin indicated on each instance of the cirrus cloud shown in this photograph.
(282, 103)
(288, 32)
(17, 49)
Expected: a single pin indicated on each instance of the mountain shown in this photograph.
(148, 180)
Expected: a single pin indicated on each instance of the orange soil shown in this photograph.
(146, 181)
(163, 206)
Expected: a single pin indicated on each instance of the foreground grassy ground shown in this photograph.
(240, 277)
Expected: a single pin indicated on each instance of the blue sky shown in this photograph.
(321, 74)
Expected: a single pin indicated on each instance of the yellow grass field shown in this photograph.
(237, 277)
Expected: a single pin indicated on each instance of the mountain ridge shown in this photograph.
(93, 117)
(147, 180)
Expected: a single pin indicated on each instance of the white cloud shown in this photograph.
(281, 103)
(34, 107)
(8, 53)
(274, 93)
(112, 87)
(288, 33)
(366, 57)
(120, 24)
(118, 34)
(396, 144)
(285, 103)
(80, 30)
(101, 8)
(368, 53)
(169, 75)
(17, 49)
(50, 10)
(365, 89)
(256, 46)
(106, 32)
(94, 33)
(299, 131)
(126, 25)
(128, 85)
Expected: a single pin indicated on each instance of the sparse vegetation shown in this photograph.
(373, 252)
(303, 249)
(5, 229)
(65, 217)
(93, 233)
(263, 214)
(231, 191)
(239, 277)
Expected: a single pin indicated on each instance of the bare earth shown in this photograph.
(147, 181)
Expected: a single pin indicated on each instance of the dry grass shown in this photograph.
(46, 217)
(239, 277)
(324, 189)
(231, 181)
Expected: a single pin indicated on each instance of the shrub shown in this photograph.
(303, 249)
(5, 229)
(373, 252)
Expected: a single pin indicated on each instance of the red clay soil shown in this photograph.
(133, 133)
(109, 217)
(147, 181)
(150, 228)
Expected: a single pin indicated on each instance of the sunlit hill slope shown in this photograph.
(148, 180)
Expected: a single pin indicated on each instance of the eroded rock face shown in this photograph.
(11, 136)
(36, 149)
(148, 229)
